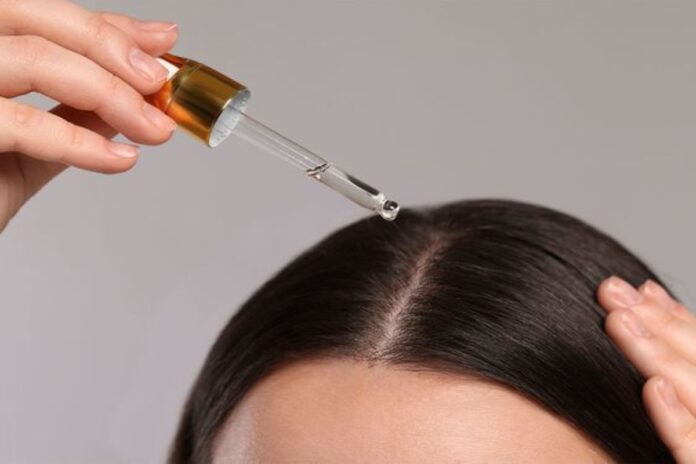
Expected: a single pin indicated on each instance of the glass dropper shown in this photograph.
(211, 106)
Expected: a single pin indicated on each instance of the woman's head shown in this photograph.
(466, 330)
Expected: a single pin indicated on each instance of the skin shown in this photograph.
(99, 66)
(658, 335)
(342, 411)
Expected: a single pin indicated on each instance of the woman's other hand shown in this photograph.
(658, 335)
(99, 66)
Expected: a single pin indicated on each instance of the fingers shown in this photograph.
(88, 34)
(651, 354)
(35, 173)
(652, 290)
(657, 310)
(658, 336)
(48, 137)
(153, 37)
(675, 424)
(38, 173)
(31, 63)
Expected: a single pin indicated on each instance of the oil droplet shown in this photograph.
(389, 210)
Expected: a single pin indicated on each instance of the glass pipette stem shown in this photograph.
(314, 165)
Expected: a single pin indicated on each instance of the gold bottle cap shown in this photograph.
(202, 101)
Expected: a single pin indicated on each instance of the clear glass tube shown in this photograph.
(210, 106)
(276, 144)
(312, 164)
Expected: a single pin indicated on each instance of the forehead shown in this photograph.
(343, 411)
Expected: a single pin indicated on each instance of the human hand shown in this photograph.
(658, 335)
(99, 65)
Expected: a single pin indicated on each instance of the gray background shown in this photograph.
(114, 287)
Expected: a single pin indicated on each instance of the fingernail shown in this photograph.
(667, 392)
(633, 323)
(122, 150)
(655, 291)
(157, 26)
(623, 292)
(158, 118)
(146, 65)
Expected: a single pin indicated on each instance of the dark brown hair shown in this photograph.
(496, 289)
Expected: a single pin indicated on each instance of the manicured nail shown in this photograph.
(146, 65)
(633, 323)
(667, 392)
(157, 26)
(623, 292)
(122, 150)
(158, 118)
(655, 291)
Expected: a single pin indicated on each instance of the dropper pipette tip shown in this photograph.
(388, 210)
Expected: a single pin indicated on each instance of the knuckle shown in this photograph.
(106, 17)
(113, 90)
(100, 31)
(62, 149)
(25, 116)
(75, 136)
(114, 85)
